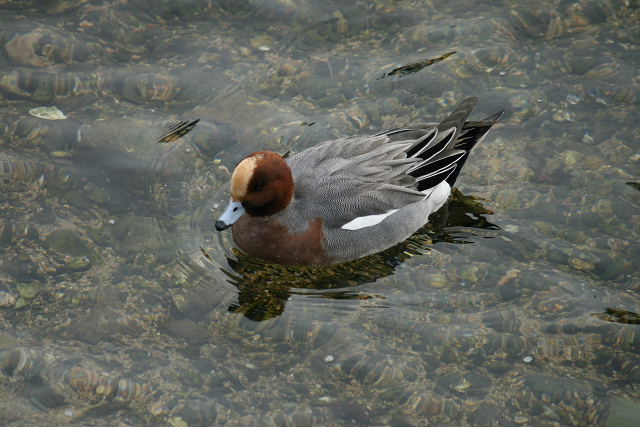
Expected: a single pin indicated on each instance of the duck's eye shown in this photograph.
(257, 186)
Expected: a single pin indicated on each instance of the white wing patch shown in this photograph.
(436, 197)
(367, 221)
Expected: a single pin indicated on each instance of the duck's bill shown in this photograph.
(233, 213)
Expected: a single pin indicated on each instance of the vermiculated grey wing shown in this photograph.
(348, 178)
(371, 175)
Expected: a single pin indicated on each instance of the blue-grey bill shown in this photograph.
(233, 213)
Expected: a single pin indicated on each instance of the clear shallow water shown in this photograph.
(120, 304)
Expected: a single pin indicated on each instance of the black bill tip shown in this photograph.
(221, 225)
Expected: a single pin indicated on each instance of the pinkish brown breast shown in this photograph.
(272, 241)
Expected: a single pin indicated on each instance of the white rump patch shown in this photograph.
(437, 196)
(367, 221)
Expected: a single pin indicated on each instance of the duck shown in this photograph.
(348, 198)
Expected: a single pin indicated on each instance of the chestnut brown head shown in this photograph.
(261, 185)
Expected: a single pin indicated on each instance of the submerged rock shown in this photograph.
(622, 413)
(67, 242)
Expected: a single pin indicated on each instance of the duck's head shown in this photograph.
(261, 185)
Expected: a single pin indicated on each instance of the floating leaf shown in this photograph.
(634, 185)
(617, 315)
(415, 67)
(173, 131)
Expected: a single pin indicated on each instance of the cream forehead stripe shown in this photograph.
(241, 177)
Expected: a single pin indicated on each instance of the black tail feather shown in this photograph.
(444, 152)
(472, 133)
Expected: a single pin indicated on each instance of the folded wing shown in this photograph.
(370, 176)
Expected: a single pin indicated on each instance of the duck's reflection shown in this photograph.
(264, 289)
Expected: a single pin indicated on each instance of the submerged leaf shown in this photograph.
(47, 113)
(415, 67)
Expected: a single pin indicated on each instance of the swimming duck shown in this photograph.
(347, 198)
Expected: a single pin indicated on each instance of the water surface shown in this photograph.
(120, 304)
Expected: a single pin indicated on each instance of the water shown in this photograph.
(120, 304)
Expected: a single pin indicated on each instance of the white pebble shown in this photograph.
(511, 228)
(573, 99)
(329, 358)
(587, 139)
(519, 419)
